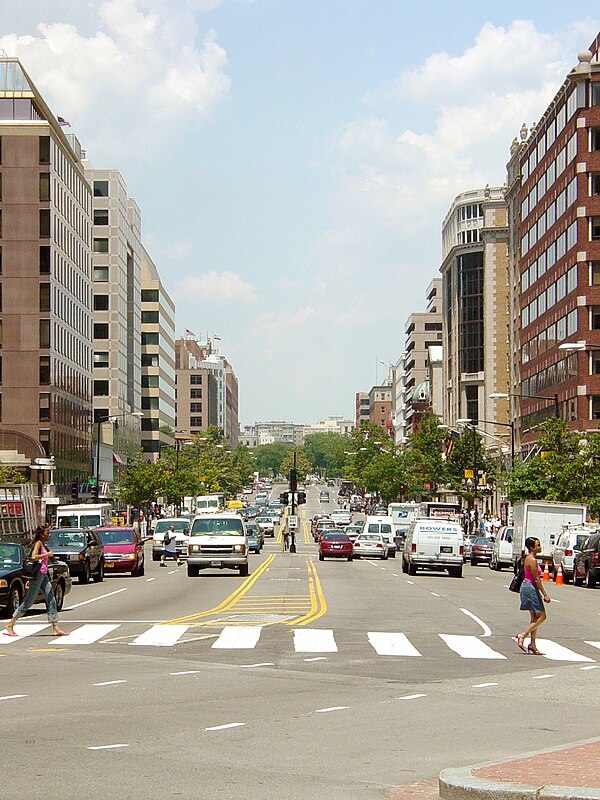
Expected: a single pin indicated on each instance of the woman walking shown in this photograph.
(41, 581)
(532, 591)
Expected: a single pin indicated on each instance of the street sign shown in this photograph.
(469, 473)
(292, 522)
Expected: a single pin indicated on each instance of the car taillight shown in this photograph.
(379, 544)
(595, 559)
(461, 550)
(568, 552)
(413, 548)
(356, 544)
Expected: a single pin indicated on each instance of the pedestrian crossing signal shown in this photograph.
(301, 498)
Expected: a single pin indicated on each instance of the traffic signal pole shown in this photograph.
(293, 488)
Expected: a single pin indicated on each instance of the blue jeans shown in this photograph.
(35, 584)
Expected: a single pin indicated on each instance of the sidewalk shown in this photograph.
(566, 773)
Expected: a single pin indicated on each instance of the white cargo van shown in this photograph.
(545, 521)
(86, 515)
(436, 544)
(385, 527)
(217, 541)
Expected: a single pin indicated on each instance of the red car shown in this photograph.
(335, 545)
(123, 550)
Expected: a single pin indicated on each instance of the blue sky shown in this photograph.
(294, 159)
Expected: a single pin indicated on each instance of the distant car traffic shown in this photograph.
(12, 580)
(341, 517)
(266, 525)
(324, 497)
(587, 562)
(182, 531)
(82, 551)
(255, 539)
(335, 545)
(370, 545)
(353, 530)
(123, 550)
(568, 545)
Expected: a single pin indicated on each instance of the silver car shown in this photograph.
(370, 545)
(568, 544)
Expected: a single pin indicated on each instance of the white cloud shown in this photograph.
(214, 286)
(140, 72)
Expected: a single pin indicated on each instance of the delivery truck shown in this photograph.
(545, 521)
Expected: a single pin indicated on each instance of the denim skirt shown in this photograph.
(530, 598)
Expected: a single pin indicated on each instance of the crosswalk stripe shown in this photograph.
(469, 646)
(86, 634)
(238, 637)
(392, 644)
(161, 636)
(314, 640)
(556, 652)
(593, 644)
(22, 631)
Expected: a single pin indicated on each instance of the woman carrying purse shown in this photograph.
(532, 591)
(39, 554)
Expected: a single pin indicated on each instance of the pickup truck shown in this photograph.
(217, 541)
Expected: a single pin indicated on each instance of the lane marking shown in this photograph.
(314, 640)
(186, 672)
(22, 630)
(394, 574)
(411, 696)
(224, 727)
(12, 696)
(593, 666)
(160, 636)
(236, 637)
(470, 647)
(542, 677)
(93, 600)
(392, 644)
(108, 683)
(263, 664)
(483, 685)
(150, 579)
(317, 658)
(556, 652)
(86, 634)
(486, 630)
(108, 747)
(434, 594)
(318, 604)
(412, 583)
(172, 572)
(333, 708)
(478, 579)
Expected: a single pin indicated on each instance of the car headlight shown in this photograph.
(157, 543)
(195, 548)
(3, 584)
(130, 557)
(73, 557)
(239, 548)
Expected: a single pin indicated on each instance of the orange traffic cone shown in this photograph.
(546, 575)
(559, 576)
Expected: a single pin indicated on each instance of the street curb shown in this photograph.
(461, 784)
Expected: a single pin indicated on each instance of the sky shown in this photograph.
(294, 159)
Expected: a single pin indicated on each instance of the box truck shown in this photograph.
(545, 521)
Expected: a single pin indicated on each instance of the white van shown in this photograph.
(434, 544)
(385, 527)
(217, 541)
(502, 552)
(86, 515)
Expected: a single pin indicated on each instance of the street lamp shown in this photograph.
(510, 425)
(468, 424)
(108, 418)
(503, 395)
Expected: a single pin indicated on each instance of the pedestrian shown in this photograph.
(39, 554)
(170, 548)
(286, 538)
(532, 591)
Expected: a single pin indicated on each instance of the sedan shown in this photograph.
(335, 545)
(81, 549)
(353, 530)
(254, 540)
(370, 545)
(481, 550)
(323, 526)
(13, 582)
(123, 550)
(341, 517)
(266, 525)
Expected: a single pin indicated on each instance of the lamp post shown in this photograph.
(510, 425)
(473, 428)
(503, 395)
(99, 422)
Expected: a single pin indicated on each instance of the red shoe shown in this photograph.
(534, 650)
(519, 641)
(9, 633)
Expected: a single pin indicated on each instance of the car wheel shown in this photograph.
(404, 567)
(473, 562)
(192, 571)
(393, 554)
(244, 571)
(349, 558)
(321, 557)
(86, 574)
(455, 572)
(59, 595)
(99, 576)
(139, 571)
(412, 569)
(14, 599)
(155, 557)
(590, 579)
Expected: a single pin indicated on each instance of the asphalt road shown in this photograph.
(278, 685)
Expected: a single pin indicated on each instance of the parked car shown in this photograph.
(335, 545)
(12, 580)
(586, 567)
(182, 532)
(481, 550)
(123, 550)
(370, 545)
(81, 549)
(353, 530)
(502, 549)
(568, 545)
(323, 527)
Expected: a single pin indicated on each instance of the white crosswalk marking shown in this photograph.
(594, 644)
(392, 644)
(238, 637)
(556, 652)
(86, 634)
(22, 631)
(469, 646)
(313, 640)
(161, 636)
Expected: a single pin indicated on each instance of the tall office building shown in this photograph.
(45, 280)
(361, 408)
(158, 361)
(116, 246)
(554, 192)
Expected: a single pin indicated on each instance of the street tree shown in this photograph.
(269, 457)
(425, 465)
(303, 466)
(325, 452)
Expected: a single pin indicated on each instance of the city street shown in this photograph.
(329, 679)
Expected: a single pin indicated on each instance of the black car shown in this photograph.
(12, 580)
(81, 549)
(586, 565)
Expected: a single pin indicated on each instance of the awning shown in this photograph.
(117, 459)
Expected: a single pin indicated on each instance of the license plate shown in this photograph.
(337, 546)
(109, 563)
(446, 549)
(215, 563)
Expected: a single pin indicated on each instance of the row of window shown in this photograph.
(548, 178)
(553, 252)
(548, 218)
(551, 376)
(469, 211)
(470, 236)
(549, 337)
(547, 299)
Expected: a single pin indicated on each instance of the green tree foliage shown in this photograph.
(373, 462)
(325, 452)
(269, 457)
(12, 475)
(468, 452)
(141, 483)
(303, 466)
(425, 466)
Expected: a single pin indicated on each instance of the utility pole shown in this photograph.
(293, 489)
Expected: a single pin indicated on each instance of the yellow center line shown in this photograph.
(318, 605)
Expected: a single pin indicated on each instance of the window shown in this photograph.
(44, 260)
(595, 273)
(101, 216)
(196, 422)
(595, 403)
(595, 93)
(100, 330)
(195, 407)
(44, 222)
(44, 297)
(101, 415)
(149, 295)
(595, 183)
(149, 317)
(472, 401)
(196, 394)
(149, 338)
(149, 360)
(150, 403)
(595, 229)
(100, 388)
(150, 424)
(100, 188)
(196, 379)
(101, 245)
(44, 406)
(44, 186)
(44, 149)
(149, 381)
(100, 302)
(595, 362)
(44, 333)
(101, 358)
(101, 274)
(44, 369)
(433, 326)
(44, 439)
(595, 311)
(595, 138)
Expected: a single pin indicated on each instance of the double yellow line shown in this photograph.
(318, 606)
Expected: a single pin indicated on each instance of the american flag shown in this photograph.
(64, 123)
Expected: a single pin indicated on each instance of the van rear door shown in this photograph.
(437, 540)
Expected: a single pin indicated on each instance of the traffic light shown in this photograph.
(75, 489)
(95, 490)
(301, 498)
(283, 498)
(402, 488)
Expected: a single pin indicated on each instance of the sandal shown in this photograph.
(518, 637)
(10, 633)
(534, 650)
(61, 633)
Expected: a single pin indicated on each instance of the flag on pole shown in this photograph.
(190, 333)
(216, 337)
(64, 123)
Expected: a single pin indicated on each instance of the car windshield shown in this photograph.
(481, 540)
(268, 520)
(10, 555)
(180, 525)
(116, 536)
(66, 538)
(336, 537)
(328, 524)
(227, 526)
(367, 537)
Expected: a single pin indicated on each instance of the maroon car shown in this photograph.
(335, 545)
(123, 550)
